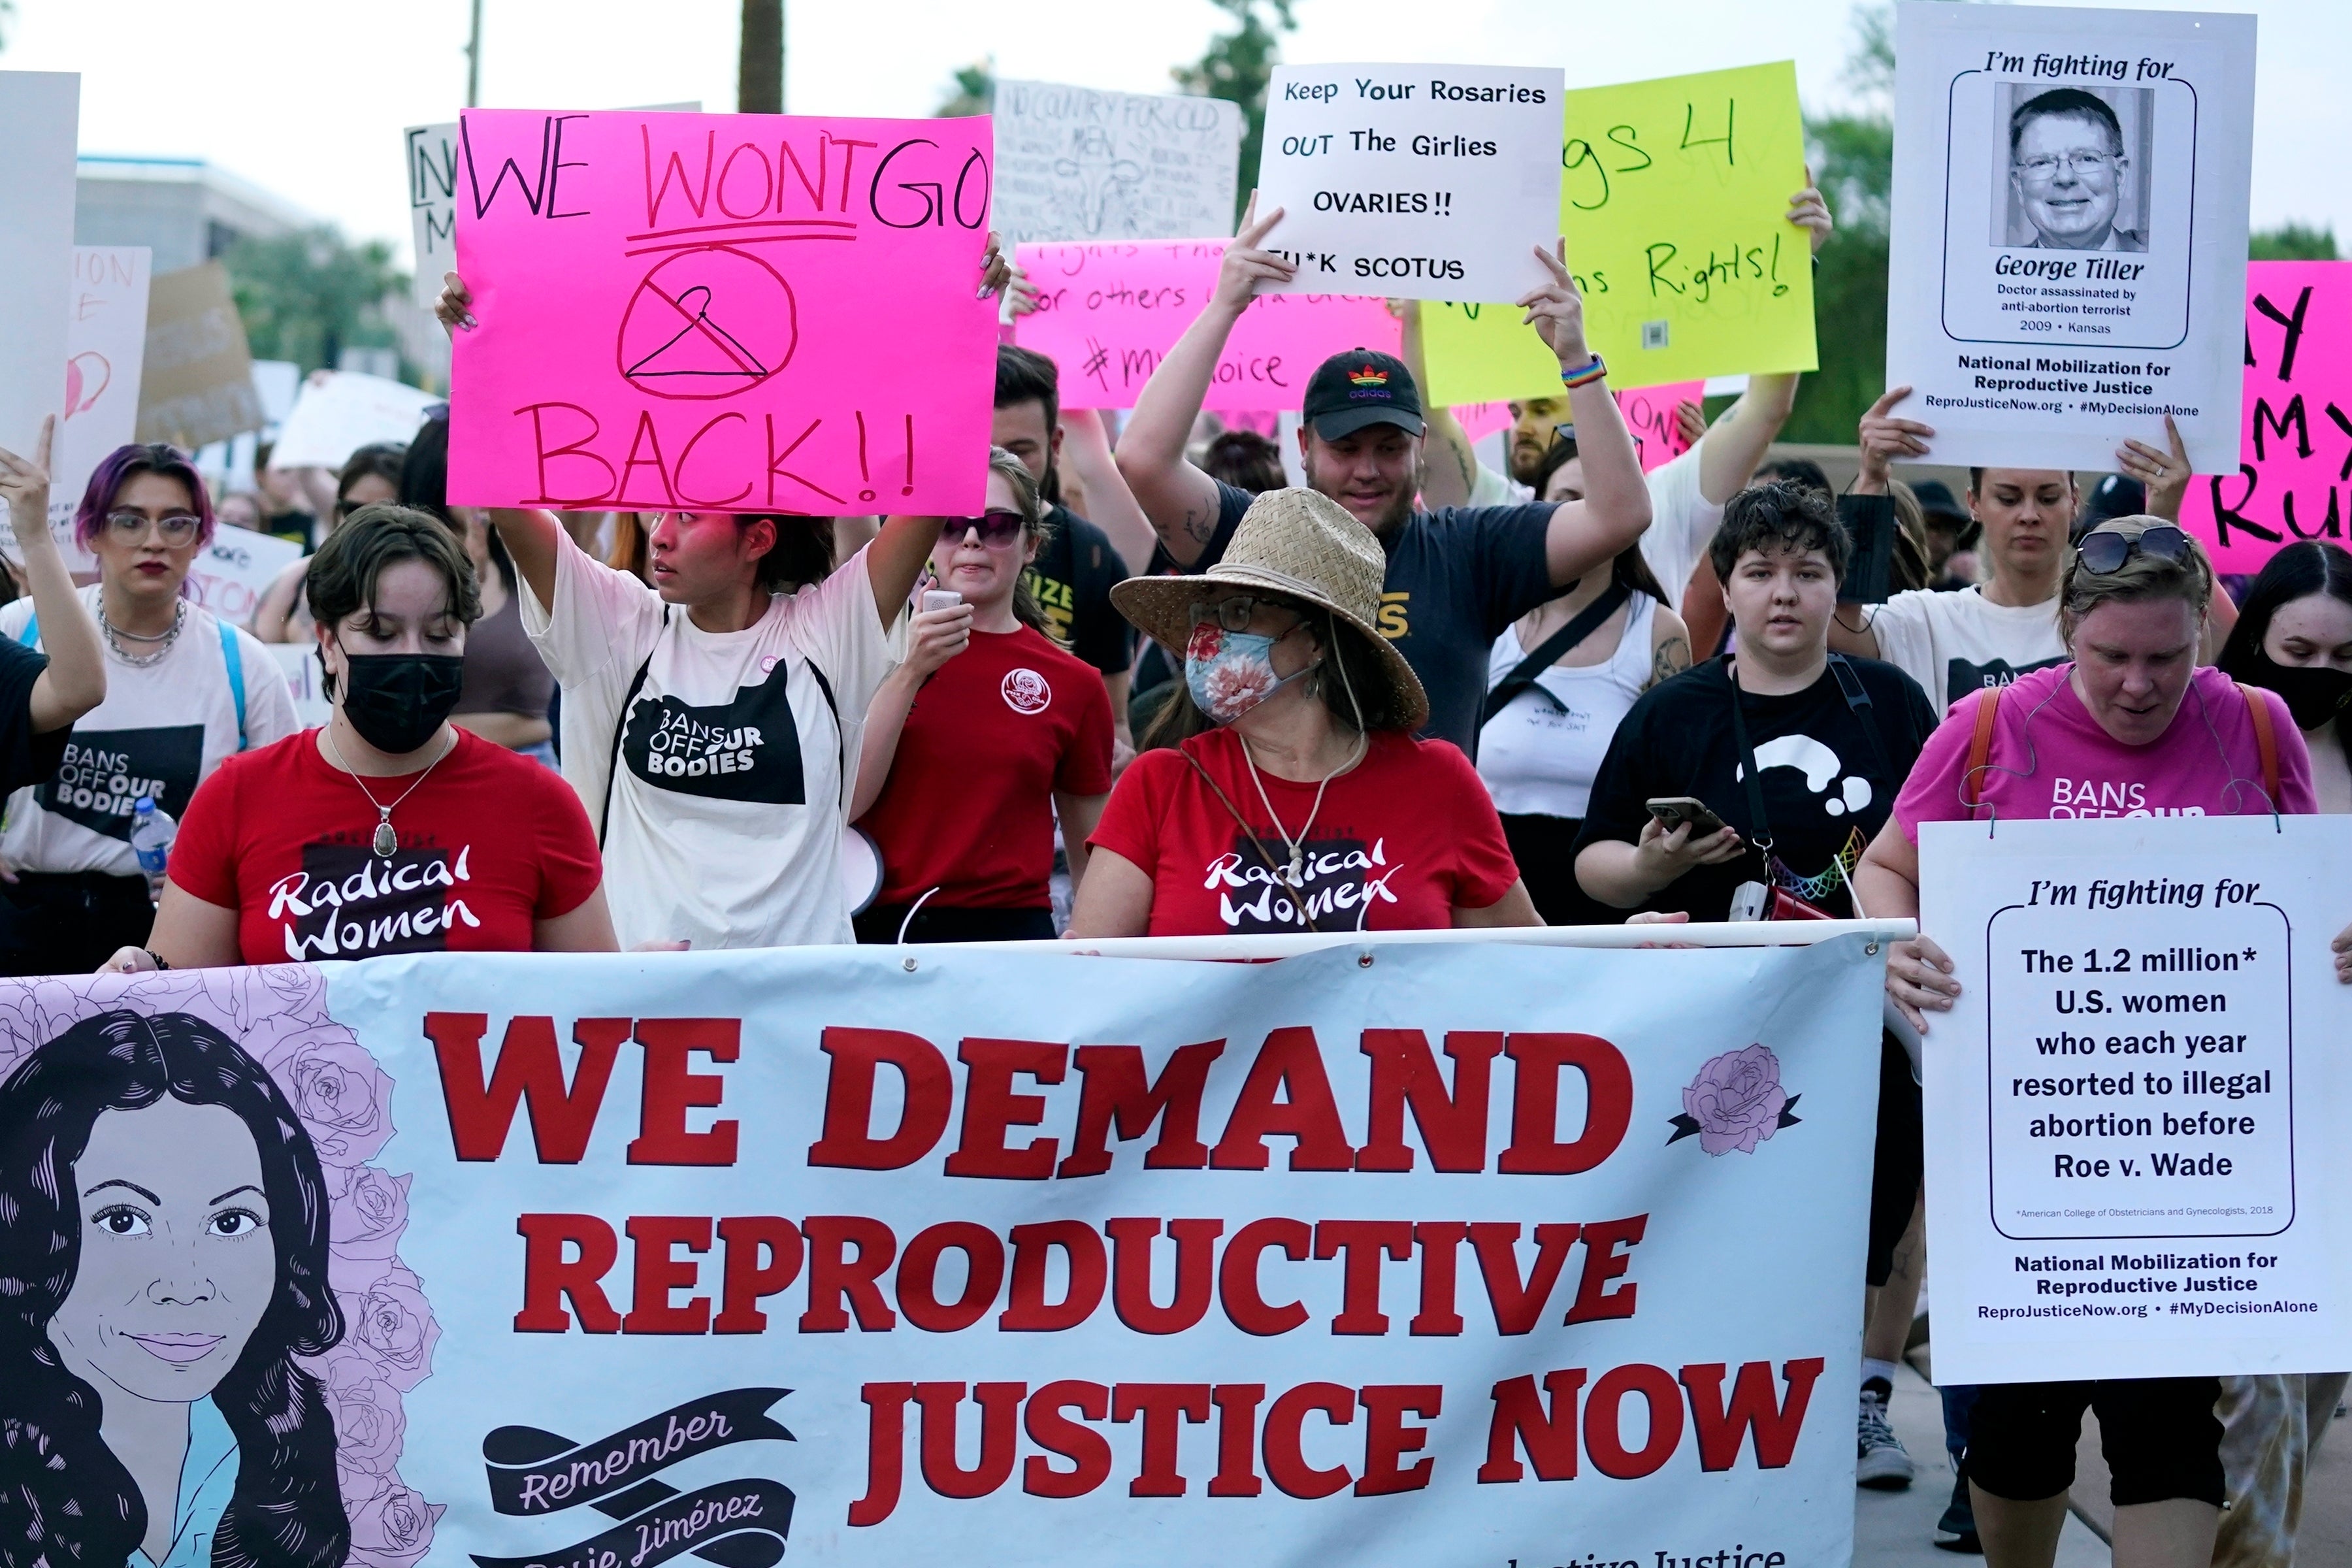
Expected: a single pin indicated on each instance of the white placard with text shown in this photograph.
(2068, 261)
(2133, 1162)
(1415, 182)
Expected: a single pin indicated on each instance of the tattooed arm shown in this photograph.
(1670, 652)
(1180, 499)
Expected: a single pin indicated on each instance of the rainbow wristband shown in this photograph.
(1573, 379)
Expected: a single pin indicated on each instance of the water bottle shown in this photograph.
(151, 832)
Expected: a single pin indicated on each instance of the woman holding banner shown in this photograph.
(1286, 793)
(2132, 710)
(184, 693)
(389, 830)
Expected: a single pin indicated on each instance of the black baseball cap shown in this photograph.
(1936, 501)
(1361, 387)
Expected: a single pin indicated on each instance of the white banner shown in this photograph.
(340, 410)
(1076, 164)
(1415, 181)
(39, 118)
(106, 340)
(231, 573)
(1394, 1253)
(2134, 1167)
(2069, 235)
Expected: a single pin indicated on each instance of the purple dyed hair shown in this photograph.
(116, 469)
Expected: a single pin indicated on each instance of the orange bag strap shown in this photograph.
(2265, 741)
(1980, 749)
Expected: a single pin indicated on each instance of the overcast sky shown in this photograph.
(307, 98)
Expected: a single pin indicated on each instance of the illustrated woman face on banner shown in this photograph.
(167, 1245)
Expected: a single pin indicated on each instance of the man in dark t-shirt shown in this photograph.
(1071, 576)
(1455, 577)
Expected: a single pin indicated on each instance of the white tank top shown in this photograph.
(1539, 754)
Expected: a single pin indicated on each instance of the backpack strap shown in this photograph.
(1858, 704)
(234, 657)
(2265, 741)
(31, 636)
(1980, 749)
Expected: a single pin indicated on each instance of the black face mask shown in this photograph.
(397, 701)
(2314, 693)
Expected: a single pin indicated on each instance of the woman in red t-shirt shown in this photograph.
(389, 830)
(1295, 798)
(976, 742)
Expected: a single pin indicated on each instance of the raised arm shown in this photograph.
(536, 540)
(933, 637)
(75, 681)
(1882, 437)
(1110, 505)
(1179, 498)
(1587, 534)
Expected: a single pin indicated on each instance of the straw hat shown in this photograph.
(1305, 546)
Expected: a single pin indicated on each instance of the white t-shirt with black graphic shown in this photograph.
(1953, 644)
(721, 822)
(161, 731)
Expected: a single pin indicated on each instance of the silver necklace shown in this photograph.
(114, 635)
(386, 843)
(1297, 846)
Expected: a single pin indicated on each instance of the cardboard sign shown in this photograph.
(2132, 1170)
(2069, 230)
(1673, 198)
(1109, 314)
(1076, 165)
(722, 313)
(231, 573)
(1428, 1257)
(106, 342)
(2294, 479)
(338, 412)
(1413, 182)
(197, 384)
(39, 117)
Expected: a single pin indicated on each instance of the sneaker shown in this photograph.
(1881, 1462)
(1957, 1531)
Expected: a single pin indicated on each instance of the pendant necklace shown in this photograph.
(1297, 846)
(386, 842)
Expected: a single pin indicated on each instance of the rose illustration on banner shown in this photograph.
(1736, 1102)
(275, 1019)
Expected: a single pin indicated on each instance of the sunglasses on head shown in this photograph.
(996, 529)
(2101, 553)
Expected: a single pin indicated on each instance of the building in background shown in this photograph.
(183, 209)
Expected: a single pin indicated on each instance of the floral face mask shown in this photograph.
(1230, 673)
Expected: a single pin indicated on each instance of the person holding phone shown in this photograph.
(976, 744)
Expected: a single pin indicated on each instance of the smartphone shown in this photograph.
(1673, 810)
(942, 598)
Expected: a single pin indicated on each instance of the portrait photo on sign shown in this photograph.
(2072, 167)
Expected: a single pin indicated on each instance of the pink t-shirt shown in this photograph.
(2050, 758)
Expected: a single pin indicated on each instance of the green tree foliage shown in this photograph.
(974, 91)
(2294, 242)
(306, 297)
(1236, 67)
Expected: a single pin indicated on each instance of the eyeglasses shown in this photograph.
(2042, 171)
(131, 527)
(2101, 553)
(1235, 614)
(997, 530)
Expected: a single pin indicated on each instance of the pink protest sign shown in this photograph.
(1108, 314)
(1649, 413)
(722, 313)
(2295, 440)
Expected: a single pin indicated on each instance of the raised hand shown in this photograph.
(1690, 422)
(1883, 438)
(455, 306)
(1556, 311)
(996, 268)
(1247, 265)
(24, 482)
(2164, 474)
(1809, 211)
